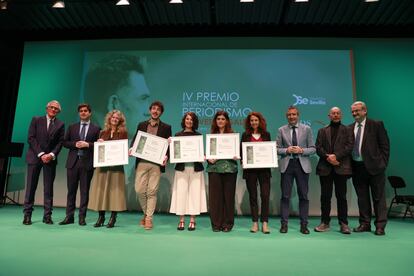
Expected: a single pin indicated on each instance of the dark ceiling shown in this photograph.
(36, 19)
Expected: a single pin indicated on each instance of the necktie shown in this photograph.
(82, 138)
(355, 151)
(294, 137)
(83, 132)
(294, 140)
(50, 127)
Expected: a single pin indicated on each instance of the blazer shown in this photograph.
(164, 130)
(198, 166)
(375, 147)
(40, 140)
(72, 136)
(305, 141)
(246, 137)
(343, 146)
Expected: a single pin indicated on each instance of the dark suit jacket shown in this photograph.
(72, 136)
(375, 148)
(164, 130)
(198, 166)
(41, 141)
(247, 138)
(342, 149)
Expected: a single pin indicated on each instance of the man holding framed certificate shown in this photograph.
(148, 173)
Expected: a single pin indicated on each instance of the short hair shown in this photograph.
(214, 127)
(159, 104)
(108, 75)
(262, 122)
(84, 105)
(292, 107)
(54, 102)
(122, 122)
(194, 117)
(363, 105)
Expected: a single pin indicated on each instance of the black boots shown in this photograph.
(112, 220)
(101, 219)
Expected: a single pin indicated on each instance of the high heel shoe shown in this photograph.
(180, 226)
(101, 219)
(112, 220)
(191, 226)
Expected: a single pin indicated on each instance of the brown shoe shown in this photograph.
(148, 224)
(255, 227)
(142, 221)
(265, 228)
(323, 227)
(344, 229)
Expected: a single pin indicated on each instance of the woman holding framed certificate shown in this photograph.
(222, 176)
(108, 183)
(255, 131)
(188, 191)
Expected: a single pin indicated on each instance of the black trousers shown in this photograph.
(367, 185)
(253, 177)
(33, 173)
(327, 184)
(295, 172)
(78, 176)
(222, 188)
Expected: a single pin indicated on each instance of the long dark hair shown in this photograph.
(214, 127)
(195, 120)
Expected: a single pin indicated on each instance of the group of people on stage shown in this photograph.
(360, 151)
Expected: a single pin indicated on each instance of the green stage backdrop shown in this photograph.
(204, 75)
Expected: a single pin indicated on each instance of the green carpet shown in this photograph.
(128, 249)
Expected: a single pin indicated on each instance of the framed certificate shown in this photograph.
(110, 153)
(259, 155)
(222, 146)
(186, 149)
(150, 147)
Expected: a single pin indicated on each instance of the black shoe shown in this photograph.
(304, 229)
(82, 221)
(215, 229)
(362, 228)
(283, 228)
(180, 226)
(47, 220)
(27, 220)
(112, 220)
(101, 219)
(226, 229)
(67, 220)
(191, 226)
(380, 232)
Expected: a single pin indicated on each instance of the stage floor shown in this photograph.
(128, 249)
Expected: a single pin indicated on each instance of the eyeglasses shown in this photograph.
(53, 107)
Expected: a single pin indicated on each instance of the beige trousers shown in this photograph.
(147, 180)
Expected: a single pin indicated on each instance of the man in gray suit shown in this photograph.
(294, 147)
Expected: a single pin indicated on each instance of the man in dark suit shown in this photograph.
(334, 145)
(79, 139)
(370, 156)
(148, 174)
(295, 146)
(45, 139)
